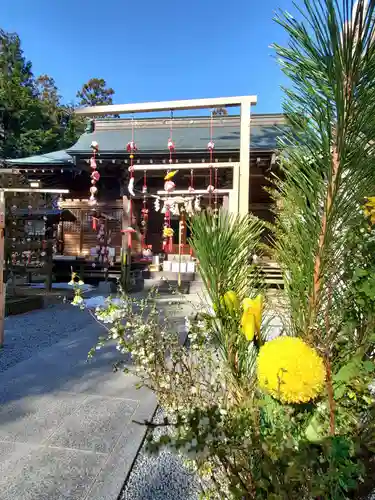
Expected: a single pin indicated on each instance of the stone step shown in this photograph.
(171, 276)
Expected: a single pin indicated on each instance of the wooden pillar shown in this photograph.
(81, 219)
(2, 266)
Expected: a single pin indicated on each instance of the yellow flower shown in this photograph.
(254, 307)
(290, 370)
(248, 325)
(231, 302)
(168, 232)
(170, 175)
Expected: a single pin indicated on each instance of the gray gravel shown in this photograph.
(160, 477)
(37, 330)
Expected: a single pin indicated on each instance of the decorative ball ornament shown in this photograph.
(171, 145)
(211, 145)
(131, 147)
(95, 176)
(94, 146)
(93, 190)
(210, 188)
(169, 186)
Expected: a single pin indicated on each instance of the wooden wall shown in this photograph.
(79, 236)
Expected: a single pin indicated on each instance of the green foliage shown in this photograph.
(327, 161)
(95, 92)
(226, 244)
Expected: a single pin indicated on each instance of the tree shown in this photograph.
(73, 125)
(47, 91)
(220, 112)
(25, 124)
(95, 92)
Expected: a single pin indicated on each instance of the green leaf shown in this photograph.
(369, 366)
(314, 431)
(348, 371)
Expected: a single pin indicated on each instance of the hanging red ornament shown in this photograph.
(131, 146)
(144, 187)
(144, 211)
(95, 176)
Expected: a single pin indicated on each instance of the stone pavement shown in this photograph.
(66, 425)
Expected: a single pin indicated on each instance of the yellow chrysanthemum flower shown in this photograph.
(290, 370)
(168, 232)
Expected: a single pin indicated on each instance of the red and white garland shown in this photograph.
(95, 176)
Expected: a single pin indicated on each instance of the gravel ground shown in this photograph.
(160, 477)
(24, 333)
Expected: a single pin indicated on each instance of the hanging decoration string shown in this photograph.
(144, 210)
(169, 187)
(211, 147)
(131, 148)
(95, 175)
(215, 192)
(191, 187)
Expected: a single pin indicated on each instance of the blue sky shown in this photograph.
(150, 50)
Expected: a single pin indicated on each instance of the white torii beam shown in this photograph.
(241, 181)
(150, 107)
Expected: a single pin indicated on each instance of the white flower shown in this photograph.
(77, 301)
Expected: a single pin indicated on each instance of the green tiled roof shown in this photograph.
(55, 158)
(191, 137)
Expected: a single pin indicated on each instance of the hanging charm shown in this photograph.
(191, 185)
(157, 204)
(144, 211)
(197, 204)
(131, 148)
(95, 176)
(169, 185)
